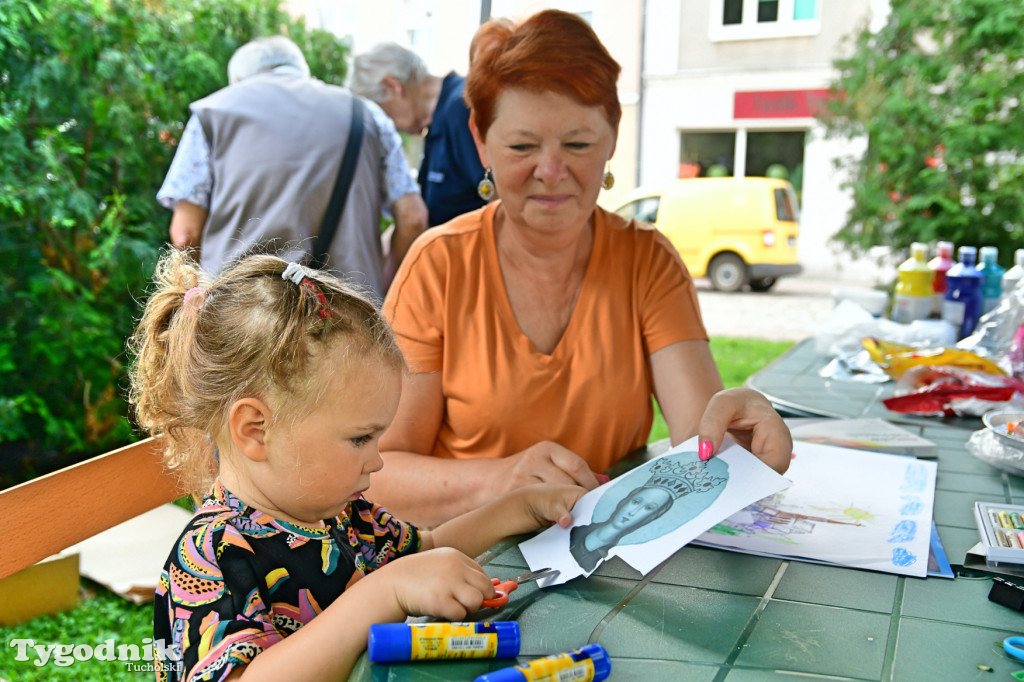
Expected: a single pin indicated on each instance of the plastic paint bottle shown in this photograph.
(1014, 274)
(393, 642)
(962, 306)
(1010, 281)
(589, 663)
(913, 297)
(992, 288)
(940, 265)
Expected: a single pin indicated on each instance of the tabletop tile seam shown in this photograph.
(641, 584)
(755, 617)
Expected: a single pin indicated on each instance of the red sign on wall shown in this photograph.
(778, 103)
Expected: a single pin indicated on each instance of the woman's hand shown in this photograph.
(752, 422)
(544, 462)
(443, 583)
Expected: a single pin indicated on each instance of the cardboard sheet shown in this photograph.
(127, 559)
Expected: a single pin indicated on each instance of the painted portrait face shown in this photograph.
(640, 507)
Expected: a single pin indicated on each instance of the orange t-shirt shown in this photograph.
(592, 395)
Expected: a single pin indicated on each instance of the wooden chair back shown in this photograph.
(48, 514)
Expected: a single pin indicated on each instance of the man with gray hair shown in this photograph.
(257, 163)
(396, 79)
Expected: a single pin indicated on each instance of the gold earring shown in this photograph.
(608, 181)
(485, 188)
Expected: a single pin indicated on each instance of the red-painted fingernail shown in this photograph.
(704, 450)
(601, 478)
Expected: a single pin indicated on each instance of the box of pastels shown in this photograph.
(1002, 532)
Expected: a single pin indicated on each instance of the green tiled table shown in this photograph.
(712, 615)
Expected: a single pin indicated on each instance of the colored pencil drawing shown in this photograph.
(847, 507)
(770, 519)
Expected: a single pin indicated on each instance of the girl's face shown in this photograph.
(548, 153)
(640, 507)
(325, 458)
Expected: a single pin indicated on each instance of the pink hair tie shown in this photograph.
(192, 292)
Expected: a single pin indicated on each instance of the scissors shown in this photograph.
(503, 588)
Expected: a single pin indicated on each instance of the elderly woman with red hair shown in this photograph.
(537, 328)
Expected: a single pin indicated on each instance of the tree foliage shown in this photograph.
(938, 92)
(93, 96)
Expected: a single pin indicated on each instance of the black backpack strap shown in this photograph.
(339, 195)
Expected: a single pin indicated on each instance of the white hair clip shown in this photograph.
(300, 277)
(295, 272)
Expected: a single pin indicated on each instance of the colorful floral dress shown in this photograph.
(240, 580)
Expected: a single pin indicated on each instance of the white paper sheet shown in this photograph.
(847, 507)
(647, 514)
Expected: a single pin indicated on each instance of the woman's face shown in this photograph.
(548, 154)
(639, 507)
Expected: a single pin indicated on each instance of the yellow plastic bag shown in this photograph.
(896, 358)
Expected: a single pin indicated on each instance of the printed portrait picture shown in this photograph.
(646, 504)
(647, 514)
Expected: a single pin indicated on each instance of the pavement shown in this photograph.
(796, 306)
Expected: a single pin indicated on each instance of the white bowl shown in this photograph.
(996, 422)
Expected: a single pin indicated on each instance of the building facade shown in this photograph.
(731, 87)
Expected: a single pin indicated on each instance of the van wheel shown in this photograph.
(727, 272)
(762, 283)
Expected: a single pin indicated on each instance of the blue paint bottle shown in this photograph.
(963, 302)
(393, 642)
(589, 663)
(992, 289)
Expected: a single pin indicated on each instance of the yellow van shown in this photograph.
(734, 231)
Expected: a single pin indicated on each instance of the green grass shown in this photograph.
(737, 359)
(99, 616)
(102, 615)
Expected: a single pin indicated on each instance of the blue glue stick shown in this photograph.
(589, 663)
(393, 642)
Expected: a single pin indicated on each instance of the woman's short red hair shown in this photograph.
(551, 51)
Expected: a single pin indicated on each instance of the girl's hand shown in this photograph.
(550, 503)
(752, 422)
(443, 583)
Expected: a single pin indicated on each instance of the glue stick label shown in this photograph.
(453, 640)
(558, 669)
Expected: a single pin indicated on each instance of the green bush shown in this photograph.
(937, 91)
(93, 96)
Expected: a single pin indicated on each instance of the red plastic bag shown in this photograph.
(947, 391)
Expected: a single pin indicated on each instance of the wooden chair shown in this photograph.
(48, 514)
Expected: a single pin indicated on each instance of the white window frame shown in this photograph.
(750, 29)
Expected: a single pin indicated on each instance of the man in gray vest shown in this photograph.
(257, 162)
